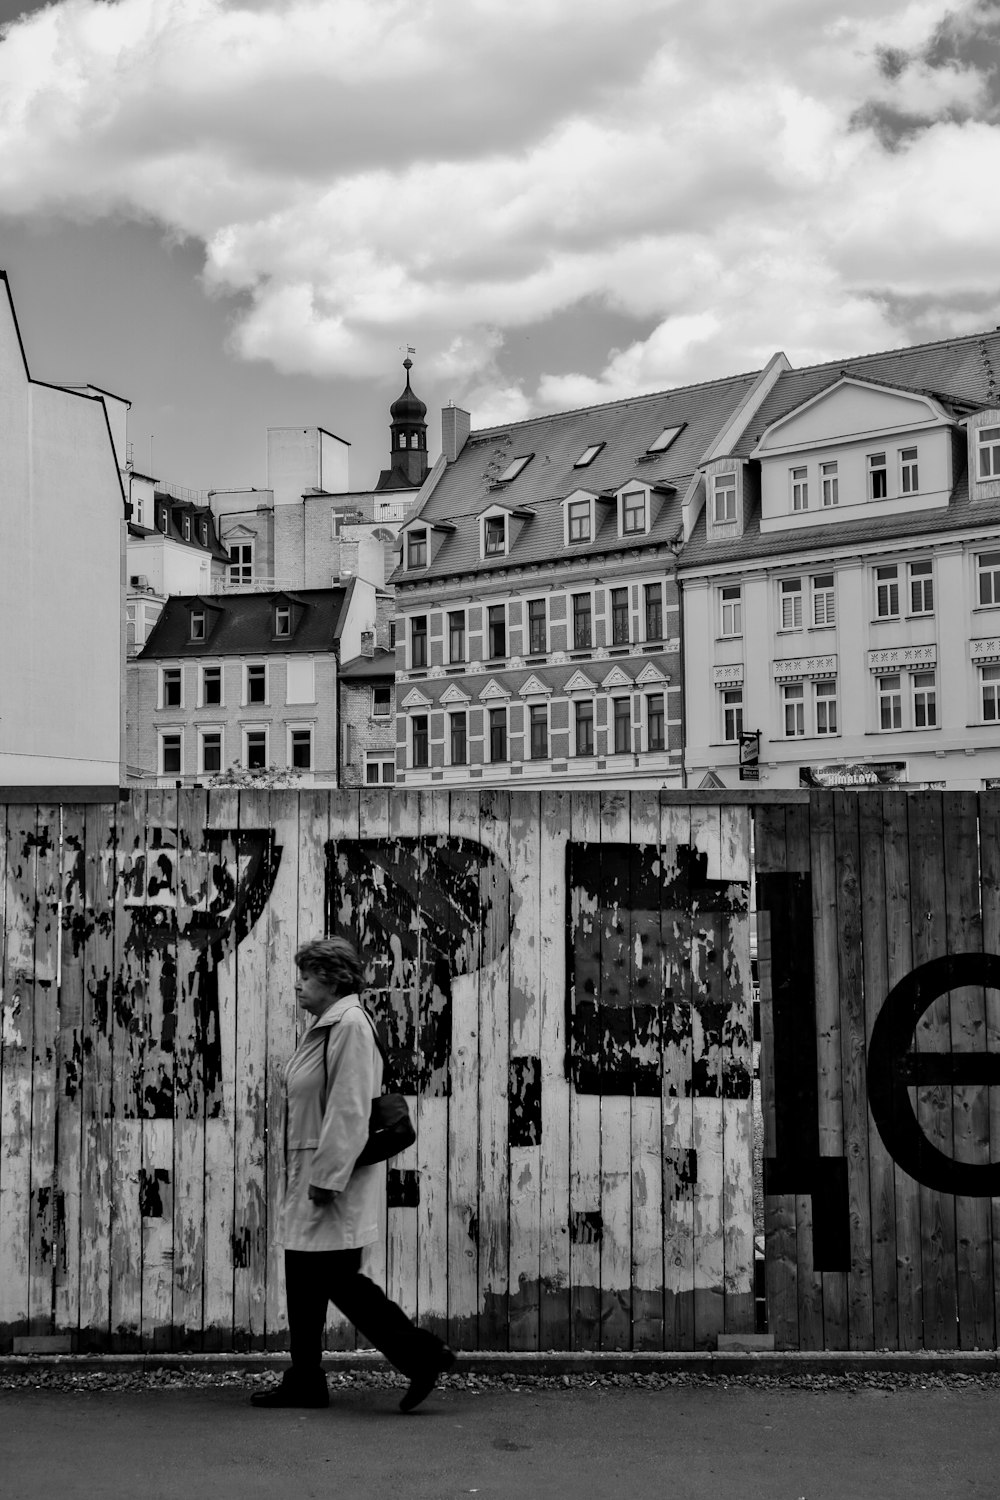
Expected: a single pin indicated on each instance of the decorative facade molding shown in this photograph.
(651, 673)
(493, 689)
(580, 683)
(985, 649)
(792, 668)
(616, 678)
(534, 687)
(454, 694)
(731, 675)
(416, 699)
(899, 657)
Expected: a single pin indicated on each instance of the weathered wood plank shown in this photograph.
(44, 1035)
(463, 1110)
(129, 979)
(989, 875)
(648, 999)
(554, 1163)
(737, 1073)
(71, 935)
(193, 892)
(430, 1303)
(677, 1102)
(373, 825)
(971, 1107)
(96, 1148)
(16, 1069)
(707, 948)
(494, 1072)
(337, 817)
(584, 943)
(525, 1122)
(617, 1032)
(403, 1245)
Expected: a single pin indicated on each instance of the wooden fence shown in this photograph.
(563, 979)
(879, 922)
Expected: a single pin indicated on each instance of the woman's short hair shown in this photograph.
(335, 961)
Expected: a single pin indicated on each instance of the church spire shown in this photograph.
(408, 440)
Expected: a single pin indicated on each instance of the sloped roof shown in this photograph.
(243, 624)
(362, 668)
(625, 427)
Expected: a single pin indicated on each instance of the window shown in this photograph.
(584, 716)
(924, 700)
(588, 455)
(654, 722)
(210, 751)
(241, 562)
(793, 704)
(731, 600)
(887, 592)
(381, 700)
(724, 492)
(634, 512)
(578, 520)
(515, 467)
(418, 641)
(255, 749)
(256, 684)
(187, 528)
(666, 437)
(164, 519)
(458, 738)
(878, 483)
(494, 535)
(139, 507)
(498, 734)
(170, 754)
(989, 577)
(800, 489)
(537, 634)
(204, 533)
(282, 620)
(197, 624)
(654, 611)
(732, 715)
(539, 732)
(380, 770)
(211, 685)
(170, 687)
(988, 448)
(825, 696)
(416, 549)
(419, 740)
(301, 746)
(922, 587)
(619, 617)
(791, 604)
(622, 721)
(498, 630)
(831, 484)
(456, 635)
(908, 481)
(890, 702)
(581, 622)
(991, 693)
(824, 609)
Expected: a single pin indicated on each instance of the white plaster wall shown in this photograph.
(935, 479)
(293, 462)
(851, 410)
(334, 455)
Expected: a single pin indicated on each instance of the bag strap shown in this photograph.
(386, 1084)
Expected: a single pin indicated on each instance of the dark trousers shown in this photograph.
(315, 1277)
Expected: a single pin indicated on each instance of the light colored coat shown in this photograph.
(321, 1145)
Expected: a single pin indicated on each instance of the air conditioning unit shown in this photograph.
(139, 581)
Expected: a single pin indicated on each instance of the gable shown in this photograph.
(850, 409)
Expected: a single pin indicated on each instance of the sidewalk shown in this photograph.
(687, 1441)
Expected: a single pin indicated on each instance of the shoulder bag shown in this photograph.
(390, 1129)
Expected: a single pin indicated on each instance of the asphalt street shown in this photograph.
(686, 1442)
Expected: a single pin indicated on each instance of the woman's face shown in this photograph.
(312, 992)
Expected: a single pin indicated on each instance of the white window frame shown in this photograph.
(988, 453)
(163, 687)
(453, 660)
(381, 687)
(241, 571)
(830, 483)
(909, 472)
(826, 714)
(491, 709)
(633, 510)
(488, 522)
(790, 594)
(616, 699)
(418, 537)
(411, 759)
(413, 664)
(380, 759)
(660, 605)
(249, 702)
(923, 697)
(660, 693)
(921, 585)
(491, 655)
(793, 710)
(588, 455)
(724, 497)
(515, 467)
(731, 609)
(798, 479)
(613, 640)
(731, 713)
(878, 464)
(988, 572)
(574, 517)
(202, 700)
(667, 436)
(187, 528)
(450, 740)
(203, 730)
(889, 695)
(824, 600)
(989, 692)
(581, 594)
(301, 728)
(886, 580)
(282, 611)
(578, 703)
(529, 649)
(531, 709)
(198, 633)
(248, 730)
(165, 519)
(161, 736)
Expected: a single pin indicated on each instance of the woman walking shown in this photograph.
(331, 1209)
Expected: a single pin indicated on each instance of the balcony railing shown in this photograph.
(257, 585)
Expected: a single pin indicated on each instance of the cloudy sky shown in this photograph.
(238, 213)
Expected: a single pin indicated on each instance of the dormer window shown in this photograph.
(164, 519)
(800, 489)
(416, 549)
(515, 467)
(204, 533)
(666, 437)
(187, 528)
(633, 512)
(283, 620)
(197, 624)
(878, 483)
(578, 522)
(494, 536)
(988, 448)
(724, 497)
(588, 455)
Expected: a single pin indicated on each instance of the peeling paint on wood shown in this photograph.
(524, 1102)
(402, 1188)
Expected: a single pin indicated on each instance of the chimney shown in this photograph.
(456, 425)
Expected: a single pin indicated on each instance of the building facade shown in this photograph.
(840, 580)
(62, 577)
(368, 718)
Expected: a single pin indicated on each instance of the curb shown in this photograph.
(550, 1362)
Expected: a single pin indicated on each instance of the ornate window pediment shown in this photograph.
(416, 699)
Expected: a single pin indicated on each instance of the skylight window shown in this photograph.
(666, 437)
(588, 455)
(514, 467)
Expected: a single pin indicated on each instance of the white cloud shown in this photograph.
(457, 168)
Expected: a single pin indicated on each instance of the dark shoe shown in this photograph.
(426, 1378)
(293, 1392)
